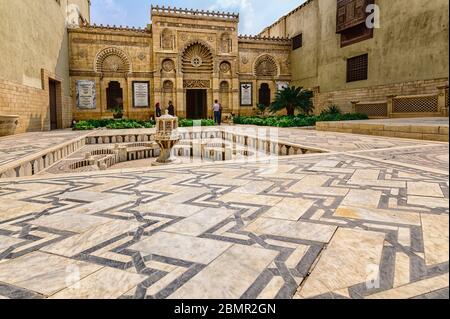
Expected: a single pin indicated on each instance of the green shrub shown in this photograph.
(332, 109)
(190, 123)
(112, 124)
(297, 120)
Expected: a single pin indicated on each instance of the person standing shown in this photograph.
(217, 113)
(158, 110)
(171, 109)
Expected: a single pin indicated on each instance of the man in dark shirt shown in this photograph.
(157, 110)
(171, 109)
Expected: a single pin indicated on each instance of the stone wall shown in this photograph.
(34, 49)
(409, 52)
(134, 46)
(32, 104)
(343, 98)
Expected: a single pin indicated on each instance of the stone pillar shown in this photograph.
(442, 105)
(354, 103)
(390, 105)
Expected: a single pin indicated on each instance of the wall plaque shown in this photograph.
(246, 94)
(86, 94)
(141, 96)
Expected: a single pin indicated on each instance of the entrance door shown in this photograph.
(264, 94)
(196, 107)
(53, 106)
(114, 96)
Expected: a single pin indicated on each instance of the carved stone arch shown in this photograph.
(266, 65)
(224, 87)
(112, 60)
(226, 45)
(167, 40)
(197, 57)
(167, 86)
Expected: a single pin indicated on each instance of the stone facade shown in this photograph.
(407, 55)
(193, 57)
(181, 51)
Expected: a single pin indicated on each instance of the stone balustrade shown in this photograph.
(36, 163)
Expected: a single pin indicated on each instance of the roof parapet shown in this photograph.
(193, 12)
(263, 38)
(115, 27)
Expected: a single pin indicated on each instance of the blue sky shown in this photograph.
(254, 14)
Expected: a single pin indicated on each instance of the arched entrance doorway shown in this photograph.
(264, 94)
(197, 68)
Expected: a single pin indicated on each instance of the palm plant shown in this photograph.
(293, 98)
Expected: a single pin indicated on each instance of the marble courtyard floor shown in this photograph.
(367, 219)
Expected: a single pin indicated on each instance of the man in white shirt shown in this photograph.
(217, 108)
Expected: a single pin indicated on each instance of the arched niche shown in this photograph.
(197, 58)
(112, 60)
(266, 66)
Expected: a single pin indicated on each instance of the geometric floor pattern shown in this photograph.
(337, 225)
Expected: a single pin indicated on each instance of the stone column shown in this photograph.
(442, 105)
(354, 103)
(390, 105)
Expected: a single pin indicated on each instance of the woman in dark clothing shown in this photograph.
(158, 110)
(171, 109)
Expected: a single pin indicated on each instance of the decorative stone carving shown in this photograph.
(112, 63)
(225, 67)
(266, 66)
(224, 87)
(196, 84)
(167, 86)
(167, 137)
(168, 65)
(167, 40)
(141, 56)
(196, 61)
(112, 60)
(197, 58)
(244, 59)
(225, 43)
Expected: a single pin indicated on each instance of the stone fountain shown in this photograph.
(166, 137)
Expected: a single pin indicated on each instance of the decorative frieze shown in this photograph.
(196, 84)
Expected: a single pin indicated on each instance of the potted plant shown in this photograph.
(117, 113)
(118, 110)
